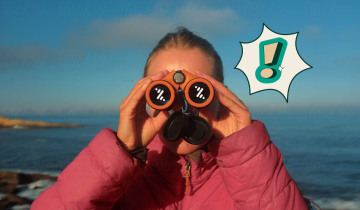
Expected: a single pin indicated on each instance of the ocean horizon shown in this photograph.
(321, 149)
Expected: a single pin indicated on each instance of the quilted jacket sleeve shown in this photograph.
(95, 179)
(253, 171)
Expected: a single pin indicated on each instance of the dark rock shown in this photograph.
(7, 188)
(11, 200)
(28, 178)
(9, 182)
(9, 177)
(14, 178)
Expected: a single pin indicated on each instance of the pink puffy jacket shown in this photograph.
(242, 171)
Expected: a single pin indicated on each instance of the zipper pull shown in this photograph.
(187, 175)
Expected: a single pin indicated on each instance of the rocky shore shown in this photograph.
(19, 190)
(18, 123)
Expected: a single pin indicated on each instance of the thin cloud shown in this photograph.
(137, 30)
(57, 111)
(144, 30)
(209, 21)
(351, 32)
(30, 55)
(313, 32)
(347, 59)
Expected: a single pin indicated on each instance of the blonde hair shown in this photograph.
(185, 39)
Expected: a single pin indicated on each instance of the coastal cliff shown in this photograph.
(18, 123)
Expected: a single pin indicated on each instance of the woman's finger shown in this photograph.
(159, 75)
(230, 104)
(160, 119)
(137, 96)
(134, 90)
(138, 85)
(156, 76)
(221, 88)
(223, 110)
(209, 116)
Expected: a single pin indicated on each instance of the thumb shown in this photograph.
(160, 119)
(214, 123)
(209, 116)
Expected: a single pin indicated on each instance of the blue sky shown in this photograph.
(76, 56)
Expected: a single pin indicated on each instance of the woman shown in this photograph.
(238, 169)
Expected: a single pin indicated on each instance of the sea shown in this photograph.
(321, 150)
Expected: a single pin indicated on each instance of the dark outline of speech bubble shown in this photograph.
(287, 100)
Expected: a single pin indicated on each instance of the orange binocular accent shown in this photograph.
(198, 91)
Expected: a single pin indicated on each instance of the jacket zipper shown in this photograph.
(187, 175)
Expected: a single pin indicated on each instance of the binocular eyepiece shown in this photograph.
(189, 92)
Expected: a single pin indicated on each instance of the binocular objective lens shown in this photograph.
(160, 95)
(199, 92)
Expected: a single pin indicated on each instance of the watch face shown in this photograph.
(160, 95)
(199, 92)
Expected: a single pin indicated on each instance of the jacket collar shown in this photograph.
(169, 165)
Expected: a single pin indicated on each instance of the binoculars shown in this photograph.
(191, 93)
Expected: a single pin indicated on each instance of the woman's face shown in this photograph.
(189, 60)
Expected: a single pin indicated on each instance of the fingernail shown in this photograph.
(155, 76)
(147, 82)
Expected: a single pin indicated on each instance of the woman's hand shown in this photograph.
(233, 114)
(136, 128)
